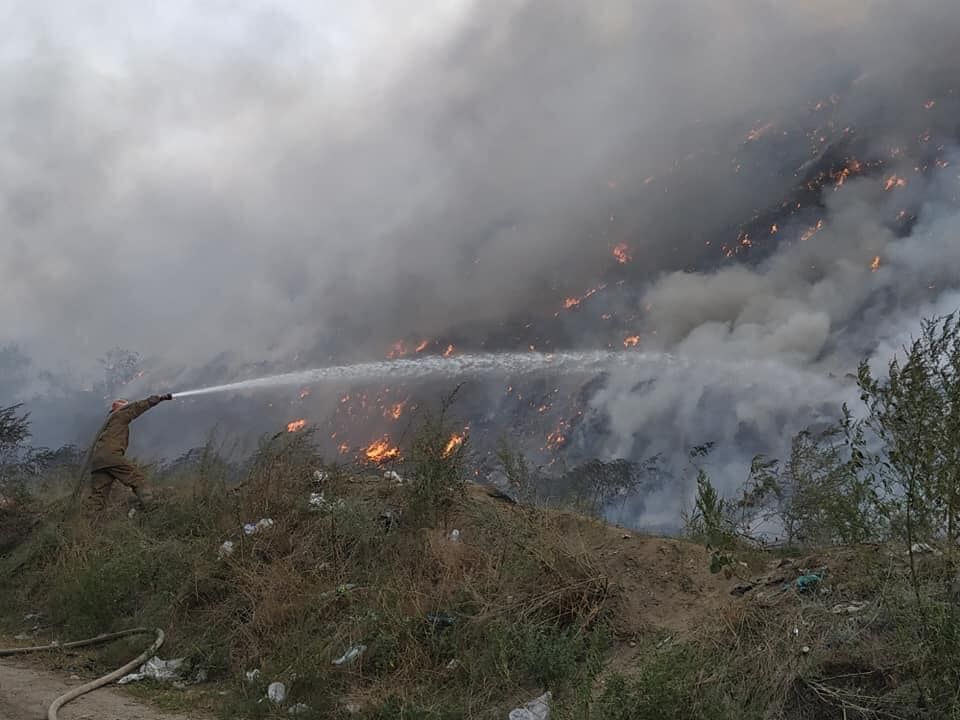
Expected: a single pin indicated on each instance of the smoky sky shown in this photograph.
(284, 182)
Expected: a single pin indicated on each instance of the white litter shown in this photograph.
(536, 709)
(156, 669)
(298, 709)
(225, 550)
(923, 548)
(277, 692)
(849, 609)
(454, 536)
(261, 525)
(252, 675)
(352, 653)
(320, 476)
(394, 476)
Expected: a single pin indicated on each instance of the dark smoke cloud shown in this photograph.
(291, 183)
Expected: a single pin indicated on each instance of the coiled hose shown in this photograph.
(101, 681)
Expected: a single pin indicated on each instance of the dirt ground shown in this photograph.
(26, 692)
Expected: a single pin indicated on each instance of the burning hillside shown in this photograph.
(830, 158)
(763, 197)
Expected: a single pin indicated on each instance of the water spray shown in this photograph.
(507, 364)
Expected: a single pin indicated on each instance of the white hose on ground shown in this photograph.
(101, 681)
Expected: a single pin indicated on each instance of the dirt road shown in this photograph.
(26, 692)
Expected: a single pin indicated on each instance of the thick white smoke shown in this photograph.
(302, 183)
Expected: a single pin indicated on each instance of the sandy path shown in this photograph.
(26, 692)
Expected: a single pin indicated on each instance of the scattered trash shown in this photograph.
(849, 609)
(924, 549)
(666, 641)
(498, 494)
(156, 669)
(740, 590)
(805, 649)
(626, 536)
(261, 525)
(225, 550)
(320, 476)
(537, 709)
(276, 692)
(810, 580)
(453, 664)
(442, 619)
(394, 476)
(454, 536)
(319, 502)
(131, 513)
(352, 653)
(298, 709)
(252, 675)
(353, 708)
(32, 616)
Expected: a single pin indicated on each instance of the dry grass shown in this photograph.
(616, 625)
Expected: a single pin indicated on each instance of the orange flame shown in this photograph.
(622, 253)
(398, 349)
(759, 132)
(852, 168)
(810, 232)
(449, 351)
(631, 341)
(557, 438)
(455, 441)
(380, 451)
(422, 346)
(296, 425)
(893, 182)
(875, 265)
(774, 229)
(343, 448)
(395, 410)
(572, 302)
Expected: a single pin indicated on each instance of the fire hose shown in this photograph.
(101, 681)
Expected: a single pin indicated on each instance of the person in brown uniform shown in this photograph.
(108, 461)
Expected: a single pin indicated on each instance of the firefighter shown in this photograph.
(108, 461)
